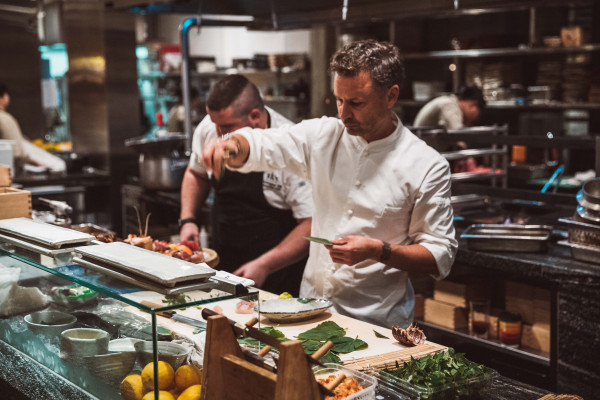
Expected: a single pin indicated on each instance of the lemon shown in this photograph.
(285, 295)
(191, 393)
(132, 388)
(162, 395)
(187, 375)
(166, 376)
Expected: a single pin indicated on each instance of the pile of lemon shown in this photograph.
(183, 384)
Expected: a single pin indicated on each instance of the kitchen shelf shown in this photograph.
(537, 356)
(458, 155)
(510, 105)
(221, 73)
(476, 176)
(503, 52)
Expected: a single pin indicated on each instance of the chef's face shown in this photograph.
(227, 121)
(363, 108)
(4, 100)
(470, 110)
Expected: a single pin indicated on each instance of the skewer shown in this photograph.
(147, 219)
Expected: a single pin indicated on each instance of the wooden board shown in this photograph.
(377, 346)
(14, 203)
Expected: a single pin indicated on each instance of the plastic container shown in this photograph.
(468, 389)
(368, 382)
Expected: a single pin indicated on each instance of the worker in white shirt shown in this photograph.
(452, 111)
(258, 219)
(381, 195)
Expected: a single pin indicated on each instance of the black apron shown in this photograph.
(246, 226)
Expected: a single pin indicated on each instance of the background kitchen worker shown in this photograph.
(380, 193)
(258, 219)
(452, 111)
(176, 118)
(10, 130)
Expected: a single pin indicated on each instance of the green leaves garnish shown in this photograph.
(324, 331)
(379, 335)
(305, 300)
(442, 372)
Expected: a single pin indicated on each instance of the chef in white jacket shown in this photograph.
(381, 195)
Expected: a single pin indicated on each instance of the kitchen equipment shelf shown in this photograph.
(504, 105)
(503, 52)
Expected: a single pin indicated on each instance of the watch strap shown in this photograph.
(184, 221)
(386, 252)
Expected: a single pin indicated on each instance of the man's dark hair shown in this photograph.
(3, 89)
(235, 91)
(471, 93)
(382, 60)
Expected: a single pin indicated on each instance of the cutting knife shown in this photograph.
(176, 317)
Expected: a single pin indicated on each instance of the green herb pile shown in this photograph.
(316, 337)
(446, 375)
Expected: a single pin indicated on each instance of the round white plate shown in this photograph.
(292, 310)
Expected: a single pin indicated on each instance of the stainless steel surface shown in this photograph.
(162, 173)
(492, 237)
(592, 216)
(586, 203)
(591, 190)
(583, 253)
(510, 51)
(185, 75)
(581, 232)
(458, 155)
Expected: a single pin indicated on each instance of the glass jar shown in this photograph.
(510, 328)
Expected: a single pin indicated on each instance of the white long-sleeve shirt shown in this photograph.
(396, 189)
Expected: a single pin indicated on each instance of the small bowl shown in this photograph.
(111, 367)
(173, 353)
(50, 323)
(83, 342)
(123, 345)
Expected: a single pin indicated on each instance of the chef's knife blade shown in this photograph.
(318, 240)
(176, 317)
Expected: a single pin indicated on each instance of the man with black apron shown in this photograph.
(258, 219)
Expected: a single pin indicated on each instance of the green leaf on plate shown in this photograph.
(324, 331)
(305, 300)
(379, 335)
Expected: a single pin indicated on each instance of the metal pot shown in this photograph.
(161, 172)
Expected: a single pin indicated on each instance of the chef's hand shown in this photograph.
(254, 271)
(227, 150)
(189, 232)
(354, 249)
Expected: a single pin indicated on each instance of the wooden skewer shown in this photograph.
(338, 379)
(147, 219)
(139, 218)
(324, 349)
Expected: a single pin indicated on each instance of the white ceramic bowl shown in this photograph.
(173, 353)
(123, 345)
(83, 342)
(111, 367)
(50, 323)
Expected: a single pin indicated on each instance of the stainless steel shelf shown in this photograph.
(475, 176)
(458, 155)
(502, 52)
(552, 105)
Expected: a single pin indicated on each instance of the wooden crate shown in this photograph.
(14, 203)
(459, 293)
(445, 314)
(5, 178)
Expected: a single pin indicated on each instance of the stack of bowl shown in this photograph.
(588, 197)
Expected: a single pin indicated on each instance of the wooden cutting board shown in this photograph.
(381, 352)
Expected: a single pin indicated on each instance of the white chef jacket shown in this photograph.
(441, 111)
(282, 189)
(396, 189)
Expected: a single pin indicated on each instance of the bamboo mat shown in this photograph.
(561, 397)
(388, 360)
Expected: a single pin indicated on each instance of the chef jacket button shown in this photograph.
(349, 212)
(357, 183)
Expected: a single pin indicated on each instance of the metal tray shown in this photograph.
(582, 253)
(582, 232)
(148, 264)
(45, 234)
(145, 283)
(496, 237)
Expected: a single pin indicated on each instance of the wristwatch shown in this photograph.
(386, 252)
(184, 221)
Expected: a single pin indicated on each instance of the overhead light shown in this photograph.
(225, 17)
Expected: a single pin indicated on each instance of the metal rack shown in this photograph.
(482, 134)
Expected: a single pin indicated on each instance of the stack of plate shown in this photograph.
(588, 198)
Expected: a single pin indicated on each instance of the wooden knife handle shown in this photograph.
(321, 352)
(338, 379)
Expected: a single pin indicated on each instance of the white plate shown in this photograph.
(145, 283)
(46, 234)
(148, 264)
(292, 310)
(33, 247)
